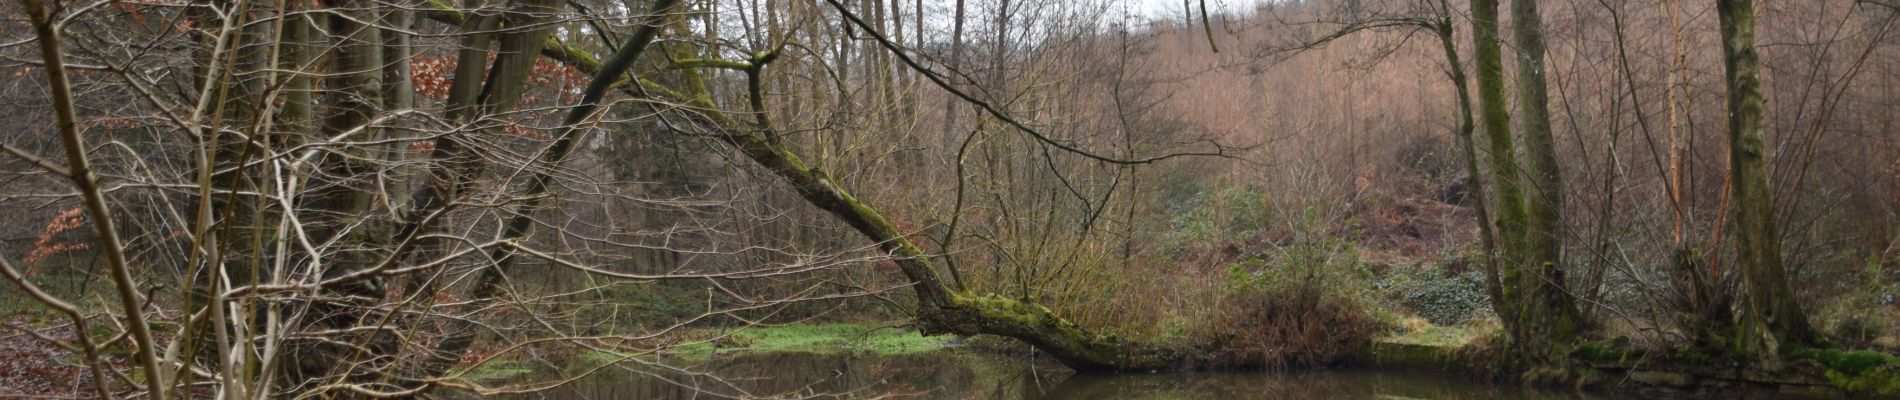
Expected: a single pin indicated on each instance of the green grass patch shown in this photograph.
(833, 338)
(1861, 371)
(1599, 352)
(498, 370)
(1853, 362)
(1435, 335)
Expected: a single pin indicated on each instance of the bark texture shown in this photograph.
(1771, 315)
(1547, 316)
(1536, 311)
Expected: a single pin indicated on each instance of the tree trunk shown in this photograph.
(1549, 316)
(497, 93)
(1496, 119)
(955, 62)
(337, 193)
(1447, 37)
(1771, 315)
(1535, 308)
(940, 310)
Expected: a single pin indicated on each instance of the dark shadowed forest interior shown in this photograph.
(1011, 199)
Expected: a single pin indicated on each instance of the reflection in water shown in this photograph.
(1304, 385)
(964, 375)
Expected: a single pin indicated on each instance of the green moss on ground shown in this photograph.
(1860, 371)
(833, 338)
(498, 370)
(1615, 350)
(1595, 352)
(1853, 362)
(1409, 356)
(1436, 336)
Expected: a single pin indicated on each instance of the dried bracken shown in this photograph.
(49, 243)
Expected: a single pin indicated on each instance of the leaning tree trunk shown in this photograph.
(1770, 313)
(1455, 71)
(940, 309)
(478, 92)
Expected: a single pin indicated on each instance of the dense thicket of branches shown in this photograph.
(373, 198)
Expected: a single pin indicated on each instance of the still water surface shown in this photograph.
(964, 375)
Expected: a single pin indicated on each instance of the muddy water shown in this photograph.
(963, 375)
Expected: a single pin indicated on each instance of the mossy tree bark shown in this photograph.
(1536, 311)
(940, 310)
(1548, 318)
(1771, 315)
(1509, 214)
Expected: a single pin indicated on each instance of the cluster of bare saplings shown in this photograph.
(372, 199)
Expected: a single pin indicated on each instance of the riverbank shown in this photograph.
(959, 368)
(1425, 348)
(701, 345)
(815, 353)
(1452, 353)
(1805, 374)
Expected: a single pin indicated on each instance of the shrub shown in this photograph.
(1857, 330)
(1289, 327)
(1443, 298)
(1305, 309)
(1214, 218)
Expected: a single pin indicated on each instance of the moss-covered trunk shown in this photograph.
(1536, 311)
(1509, 215)
(1447, 38)
(1771, 314)
(940, 310)
(1548, 319)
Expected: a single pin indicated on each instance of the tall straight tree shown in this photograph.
(1536, 311)
(1549, 315)
(1770, 313)
(955, 62)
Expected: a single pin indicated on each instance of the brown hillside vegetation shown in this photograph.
(392, 198)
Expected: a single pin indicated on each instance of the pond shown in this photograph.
(955, 374)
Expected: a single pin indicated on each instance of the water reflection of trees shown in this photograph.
(960, 375)
(1315, 385)
(952, 375)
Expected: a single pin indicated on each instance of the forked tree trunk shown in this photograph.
(1535, 308)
